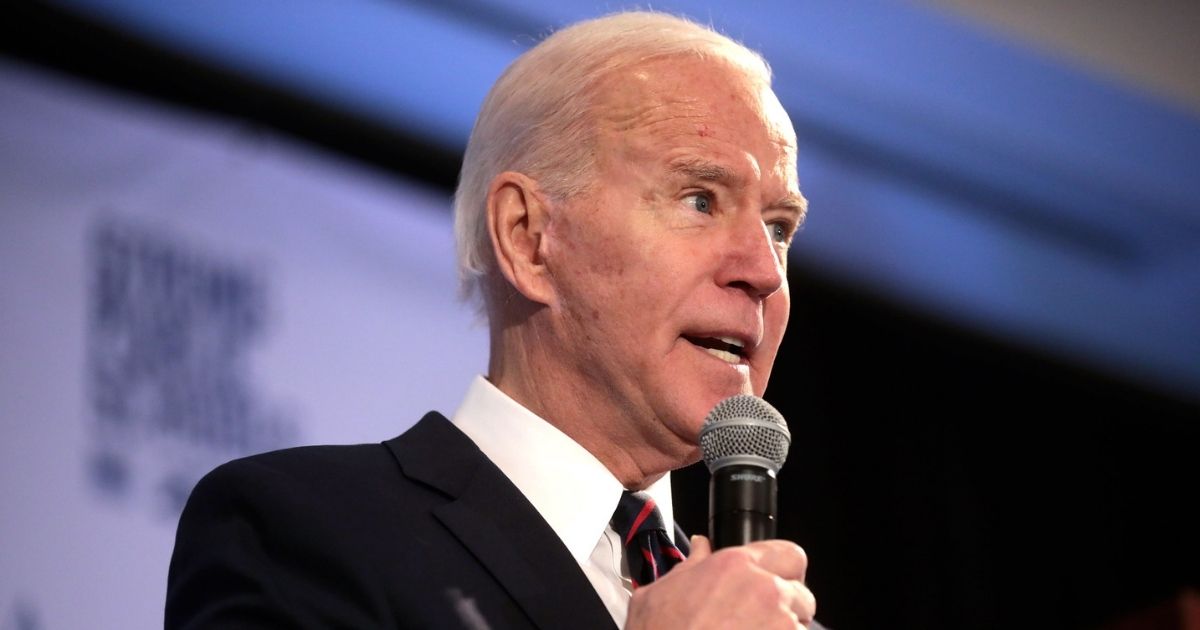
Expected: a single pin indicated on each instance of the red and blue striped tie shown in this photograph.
(648, 548)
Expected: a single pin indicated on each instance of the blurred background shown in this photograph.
(225, 228)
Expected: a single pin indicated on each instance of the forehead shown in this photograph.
(688, 102)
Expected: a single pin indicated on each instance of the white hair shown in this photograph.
(536, 118)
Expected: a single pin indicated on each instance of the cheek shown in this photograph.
(591, 274)
(622, 269)
(606, 263)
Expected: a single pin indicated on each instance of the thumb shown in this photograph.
(701, 548)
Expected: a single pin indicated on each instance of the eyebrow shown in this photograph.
(711, 172)
(704, 170)
(795, 203)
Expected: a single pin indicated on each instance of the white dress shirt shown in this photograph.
(569, 487)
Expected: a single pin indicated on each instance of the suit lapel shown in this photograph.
(492, 519)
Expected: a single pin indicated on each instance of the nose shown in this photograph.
(752, 260)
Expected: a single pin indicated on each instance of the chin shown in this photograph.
(698, 413)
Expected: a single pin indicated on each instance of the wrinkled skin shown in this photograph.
(682, 239)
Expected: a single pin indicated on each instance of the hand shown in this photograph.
(759, 585)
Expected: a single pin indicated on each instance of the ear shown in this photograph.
(517, 215)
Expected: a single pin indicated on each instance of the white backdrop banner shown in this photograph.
(176, 291)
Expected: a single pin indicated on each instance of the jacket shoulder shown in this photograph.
(321, 468)
(294, 537)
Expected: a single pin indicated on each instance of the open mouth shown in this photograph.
(727, 349)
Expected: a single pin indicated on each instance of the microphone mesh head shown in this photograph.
(744, 429)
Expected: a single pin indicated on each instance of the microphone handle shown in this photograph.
(741, 505)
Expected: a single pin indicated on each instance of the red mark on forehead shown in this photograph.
(702, 129)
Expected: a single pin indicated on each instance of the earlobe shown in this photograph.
(517, 215)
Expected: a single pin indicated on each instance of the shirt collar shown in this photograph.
(567, 485)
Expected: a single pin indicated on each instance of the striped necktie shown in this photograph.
(648, 548)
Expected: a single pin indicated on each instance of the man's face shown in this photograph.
(671, 271)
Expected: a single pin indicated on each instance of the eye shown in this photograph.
(701, 202)
(780, 231)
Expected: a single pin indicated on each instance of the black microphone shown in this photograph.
(744, 441)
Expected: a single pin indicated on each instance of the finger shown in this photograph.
(781, 557)
(701, 548)
(801, 601)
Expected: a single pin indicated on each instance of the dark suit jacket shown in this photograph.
(422, 531)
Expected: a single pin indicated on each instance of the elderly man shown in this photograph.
(626, 204)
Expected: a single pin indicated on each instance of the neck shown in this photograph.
(637, 451)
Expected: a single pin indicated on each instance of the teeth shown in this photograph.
(733, 342)
(723, 355)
